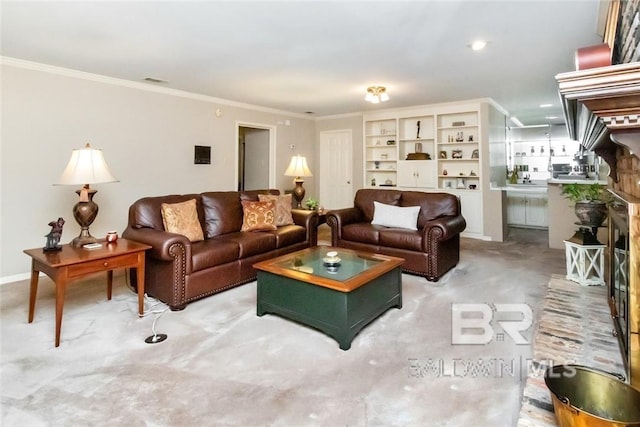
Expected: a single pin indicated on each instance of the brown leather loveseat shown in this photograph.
(430, 251)
(179, 271)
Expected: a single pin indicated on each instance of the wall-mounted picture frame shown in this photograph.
(456, 154)
(202, 155)
(443, 154)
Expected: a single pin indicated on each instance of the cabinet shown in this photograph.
(417, 173)
(527, 209)
(442, 147)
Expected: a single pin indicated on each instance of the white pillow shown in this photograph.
(395, 216)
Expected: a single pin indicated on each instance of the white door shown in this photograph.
(426, 173)
(336, 169)
(516, 209)
(537, 210)
(471, 203)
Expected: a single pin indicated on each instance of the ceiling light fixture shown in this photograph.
(376, 94)
(478, 45)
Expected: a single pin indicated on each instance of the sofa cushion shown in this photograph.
(250, 243)
(222, 212)
(212, 252)
(147, 212)
(401, 239)
(258, 216)
(283, 207)
(365, 197)
(252, 195)
(432, 205)
(289, 235)
(362, 232)
(182, 218)
(395, 216)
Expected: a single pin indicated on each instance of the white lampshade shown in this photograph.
(86, 166)
(298, 167)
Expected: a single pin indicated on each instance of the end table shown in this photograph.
(73, 263)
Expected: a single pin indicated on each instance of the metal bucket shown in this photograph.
(585, 397)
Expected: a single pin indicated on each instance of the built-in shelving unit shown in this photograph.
(442, 147)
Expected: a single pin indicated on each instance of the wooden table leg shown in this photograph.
(33, 290)
(60, 291)
(109, 284)
(140, 277)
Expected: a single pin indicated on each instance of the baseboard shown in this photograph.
(16, 278)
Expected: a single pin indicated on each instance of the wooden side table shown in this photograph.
(73, 263)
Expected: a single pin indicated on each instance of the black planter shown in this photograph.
(591, 214)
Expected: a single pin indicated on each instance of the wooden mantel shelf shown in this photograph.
(611, 94)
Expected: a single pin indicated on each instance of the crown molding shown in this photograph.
(67, 72)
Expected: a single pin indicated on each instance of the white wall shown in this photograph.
(147, 139)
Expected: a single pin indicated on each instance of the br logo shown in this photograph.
(474, 323)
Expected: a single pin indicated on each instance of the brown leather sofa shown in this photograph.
(178, 271)
(430, 251)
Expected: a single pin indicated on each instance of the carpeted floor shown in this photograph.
(224, 366)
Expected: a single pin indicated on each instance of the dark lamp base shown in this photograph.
(84, 212)
(298, 193)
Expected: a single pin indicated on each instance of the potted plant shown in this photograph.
(312, 204)
(591, 202)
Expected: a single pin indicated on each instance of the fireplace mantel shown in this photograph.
(602, 109)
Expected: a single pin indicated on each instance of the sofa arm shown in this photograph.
(443, 229)
(163, 244)
(336, 219)
(309, 220)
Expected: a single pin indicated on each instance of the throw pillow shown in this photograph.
(283, 207)
(182, 218)
(258, 216)
(395, 216)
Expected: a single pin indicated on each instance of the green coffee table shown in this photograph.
(338, 299)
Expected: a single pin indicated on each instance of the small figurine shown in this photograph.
(418, 134)
(470, 138)
(459, 137)
(53, 238)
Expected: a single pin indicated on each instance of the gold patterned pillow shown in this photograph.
(283, 207)
(258, 216)
(182, 218)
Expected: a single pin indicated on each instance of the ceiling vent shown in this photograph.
(154, 80)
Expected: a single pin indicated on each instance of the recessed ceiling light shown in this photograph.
(478, 45)
(546, 105)
(550, 117)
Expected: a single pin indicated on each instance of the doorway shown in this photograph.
(255, 157)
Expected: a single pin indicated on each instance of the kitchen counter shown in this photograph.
(527, 188)
(576, 181)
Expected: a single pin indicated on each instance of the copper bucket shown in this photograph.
(585, 397)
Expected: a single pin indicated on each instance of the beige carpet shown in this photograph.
(224, 366)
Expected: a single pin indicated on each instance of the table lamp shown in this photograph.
(86, 166)
(298, 168)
